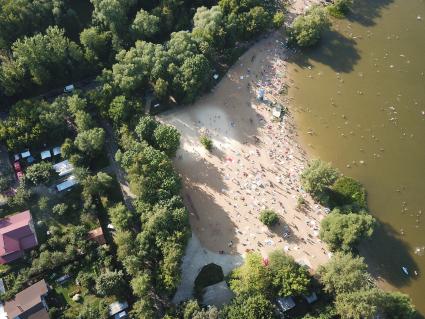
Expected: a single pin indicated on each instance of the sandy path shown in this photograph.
(255, 163)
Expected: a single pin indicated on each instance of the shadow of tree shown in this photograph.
(367, 12)
(393, 254)
(335, 50)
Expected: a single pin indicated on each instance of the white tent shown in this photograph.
(45, 154)
(25, 154)
(71, 181)
(63, 168)
(56, 150)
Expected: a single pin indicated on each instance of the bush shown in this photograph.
(278, 19)
(339, 8)
(206, 142)
(307, 29)
(110, 283)
(348, 191)
(269, 217)
(60, 209)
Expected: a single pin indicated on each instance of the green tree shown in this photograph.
(145, 25)
(167, 138)
(268, 217)
(119, 110)
(339, 8)
(121, 217)
(94, 309)
(307, 29)
(43, 60)
(249, 307)
(60, 209)
(209, 27)
(145, 129)
(348, 191)
(40, 173)
(318, 177)
(288, 277)
(83, 121)
(252, 278)
(90, 142)
(96, 44)
(141, 285)
(206, 142)
(110, 283)
(397, 305)
(344, 231)
(345, 273)
(358, 304)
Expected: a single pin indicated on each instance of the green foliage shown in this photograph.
(90, 142)
(307, 29)
(206, 142)
(20, 200)
(397, 305)
(96, 44)
(279, 19)
(358, 304)
(339, 8)
(167, 138)
(110, 283)
(317, 178)
(40, 173)
(146, 128)
(145, 25)
(209, 28)
(141, 285)
(288, 277)
(121, 217)
(251, 278)
(268, 217)
(344, 231)
(344, 273)
(94, 309)
(42, 60)
(60, 209)
(32, 123)
(249, 307)
(348, 191)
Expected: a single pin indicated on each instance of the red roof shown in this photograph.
(16, 234)
(97, 236)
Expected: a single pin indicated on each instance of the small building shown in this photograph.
(286, 303)
(63, 168)
(69, 88)
(17, 234)
(56, 150)
(45, 154)
(117, 310)
(97, 236)
(28, 304)
(68, 183)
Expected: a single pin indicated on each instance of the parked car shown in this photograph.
(20, 175)
(69, 88)
(17, 166)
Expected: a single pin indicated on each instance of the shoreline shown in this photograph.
(255, 163)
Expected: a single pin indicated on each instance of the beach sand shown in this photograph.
(255, 163)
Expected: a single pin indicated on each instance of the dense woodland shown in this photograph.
(120, 54)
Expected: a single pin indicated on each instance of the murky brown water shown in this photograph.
(361, 99)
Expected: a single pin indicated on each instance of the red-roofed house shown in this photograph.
(17, 234)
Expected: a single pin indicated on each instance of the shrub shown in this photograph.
(278, 19)
(269, 217)
(110, 283)
(60, 209)
(339, 8)
(307, 29)
(206, 142)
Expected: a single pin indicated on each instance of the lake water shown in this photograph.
(360, 104)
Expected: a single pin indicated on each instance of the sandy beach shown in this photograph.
(255, 163)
